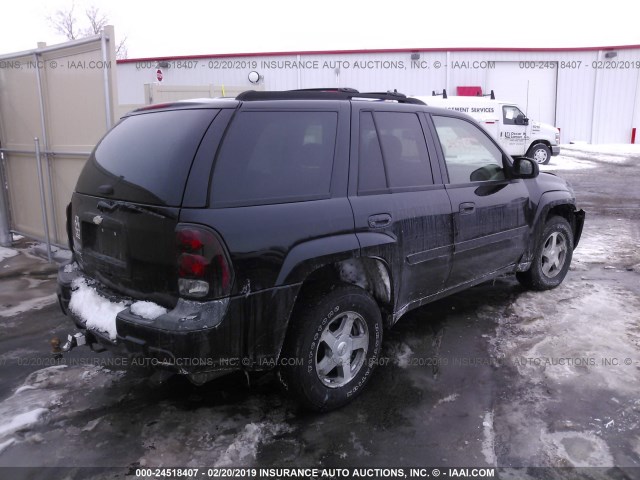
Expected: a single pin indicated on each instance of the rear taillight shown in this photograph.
(204, 269)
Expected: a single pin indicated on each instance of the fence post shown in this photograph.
(5, 234)
(43, 203)
(45, 137)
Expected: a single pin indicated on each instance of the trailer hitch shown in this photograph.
(75, 340)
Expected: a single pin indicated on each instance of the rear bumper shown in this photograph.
(555, 150)
(236, 333)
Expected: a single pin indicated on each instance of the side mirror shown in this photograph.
(525, 168)
(521, 120)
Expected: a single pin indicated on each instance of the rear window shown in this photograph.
(275, 157)
(146, 158)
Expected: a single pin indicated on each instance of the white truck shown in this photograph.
(505, 122)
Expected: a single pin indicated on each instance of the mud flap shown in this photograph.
(579, 225)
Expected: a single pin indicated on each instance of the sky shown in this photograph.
(196, 27)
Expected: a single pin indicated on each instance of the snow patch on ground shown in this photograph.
(24, 388)
(612, 148)
(564, 162)
(578, 449)
(7, 444)
(488, 441)
(565, 335)
(148, 310)
(50, 394)
(96, 311)
(21, 420)
(559, 342)
(609, 244)
(449, 398)
(27, 405)
(584, 156)
(31, 304)
(7, 253)
(245, 445)
(40, 250)
(219, 436)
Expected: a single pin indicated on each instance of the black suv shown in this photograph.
(286, 229)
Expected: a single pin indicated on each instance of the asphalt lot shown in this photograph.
(492, 377)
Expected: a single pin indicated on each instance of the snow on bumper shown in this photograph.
(96, 312)
(83, 299)
(240, 332)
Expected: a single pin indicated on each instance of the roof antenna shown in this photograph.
(444, 93)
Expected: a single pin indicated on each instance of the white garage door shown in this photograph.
(533, 89)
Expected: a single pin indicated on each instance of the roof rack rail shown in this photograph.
(492, 95)
(324, 94)
(329, 89)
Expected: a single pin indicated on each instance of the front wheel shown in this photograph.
(552, 257)
(540, 153)
(332, 348)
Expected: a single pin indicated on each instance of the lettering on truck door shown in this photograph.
(513, 134)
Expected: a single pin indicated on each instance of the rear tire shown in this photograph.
(335, 340)
(552, 257)
(540, 153)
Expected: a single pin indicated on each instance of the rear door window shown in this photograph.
(275, 157)
(404, 149)
(371, 170)
(146, 158)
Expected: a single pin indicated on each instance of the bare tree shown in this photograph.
(66, 23)
(97, 20)
(121, 49)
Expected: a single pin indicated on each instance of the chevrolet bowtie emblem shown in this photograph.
(97, 219)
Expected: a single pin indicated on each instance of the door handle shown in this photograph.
(467, 207)
(380, 220)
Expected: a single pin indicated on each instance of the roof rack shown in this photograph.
(443, 93)
(492, 95)
(325, 94)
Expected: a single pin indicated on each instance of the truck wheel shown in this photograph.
(540, 153)
(552, 257)
(332, 348)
